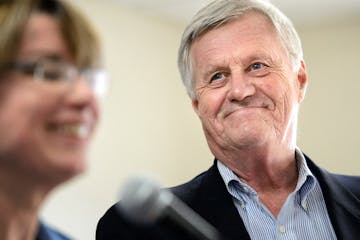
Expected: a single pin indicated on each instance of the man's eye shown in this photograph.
(256, 66)
(217, 76)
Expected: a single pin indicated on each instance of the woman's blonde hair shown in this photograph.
(78, 34)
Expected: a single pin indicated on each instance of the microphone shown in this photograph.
(144, 202)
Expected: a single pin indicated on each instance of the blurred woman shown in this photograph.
(49, 83)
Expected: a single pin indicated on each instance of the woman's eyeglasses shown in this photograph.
(61, 72)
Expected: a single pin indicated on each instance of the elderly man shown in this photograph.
(242, 64)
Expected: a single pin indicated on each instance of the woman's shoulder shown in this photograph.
(46, 232)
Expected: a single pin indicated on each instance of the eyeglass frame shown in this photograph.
(68, 73)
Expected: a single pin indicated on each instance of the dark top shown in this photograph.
(47, 233)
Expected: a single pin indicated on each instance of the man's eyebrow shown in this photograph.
(211, 69)
(259, 55)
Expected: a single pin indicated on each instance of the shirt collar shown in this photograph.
(306, 180)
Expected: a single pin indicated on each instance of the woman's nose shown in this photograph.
(81, 93)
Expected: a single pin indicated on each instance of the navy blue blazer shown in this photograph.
(208, 196)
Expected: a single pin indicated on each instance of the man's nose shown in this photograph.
(240, 87)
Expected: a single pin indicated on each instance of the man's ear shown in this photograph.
(195, 105)
(302, 80)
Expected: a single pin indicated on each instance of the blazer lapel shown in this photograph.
(216, 206)
(343, 207)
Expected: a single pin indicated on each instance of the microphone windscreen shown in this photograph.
(143, 201)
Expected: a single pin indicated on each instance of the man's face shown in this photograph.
(247, 90)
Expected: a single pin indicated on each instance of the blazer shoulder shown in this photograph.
(351, 183)
(191, 184)
(189, 190)
(347, 183)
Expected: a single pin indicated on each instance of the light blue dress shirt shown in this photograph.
(303, 215)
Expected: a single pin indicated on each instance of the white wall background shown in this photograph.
(148, 125)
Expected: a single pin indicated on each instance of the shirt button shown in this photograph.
(304, 205)
(282, 229)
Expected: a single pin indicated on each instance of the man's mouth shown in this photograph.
(249, 103)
